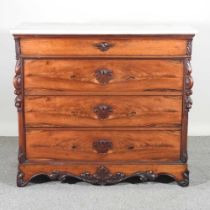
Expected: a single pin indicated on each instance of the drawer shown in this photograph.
(103, 46)
(73, 76)
(103, 145)
(103, 111)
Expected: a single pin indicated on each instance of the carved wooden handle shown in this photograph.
(103, 75)
(103, 111)
(102, 145)
(103, 46)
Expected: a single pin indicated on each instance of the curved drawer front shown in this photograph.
(103, 145)
(103, 111)
(74, 76)
(99, 46)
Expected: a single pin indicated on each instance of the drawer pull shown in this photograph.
(103, 111)
(102, 145)
(103, 46)
(103, 75)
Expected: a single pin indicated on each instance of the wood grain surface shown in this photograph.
(86, 45)
(126, 145)
(127, 111)
(46, 77)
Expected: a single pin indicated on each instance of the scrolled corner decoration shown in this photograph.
(102, 111)
(53, 176)
(102, 176)
(102, 146)
(103, 46)
(185, 181)
(20, 179)
(188, 84)
(103, 76)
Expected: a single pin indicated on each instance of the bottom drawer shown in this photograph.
(115, 145)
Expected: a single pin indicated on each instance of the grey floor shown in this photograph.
(124, 196)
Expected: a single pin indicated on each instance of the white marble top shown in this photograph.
(100, 28)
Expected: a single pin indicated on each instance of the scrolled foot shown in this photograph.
(185, 181)
(20, 179)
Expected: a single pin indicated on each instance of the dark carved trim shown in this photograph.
(102, 176)
(17, 48)
(102, 145)
(102, 111)
(188, 102)
(103, 75)
(18, 103)
(20, 179)
(185, 181)
(21, 155)
(188, 84)
(17, 82)
(103, 46)
(189, 47)
(184, 157)
(17, 78)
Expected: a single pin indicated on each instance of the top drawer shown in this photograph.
(103, 46)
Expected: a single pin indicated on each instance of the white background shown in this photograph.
(192, 12)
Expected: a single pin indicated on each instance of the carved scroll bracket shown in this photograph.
(17, 81)
(18, 86)
(102, 176)
(188, 84)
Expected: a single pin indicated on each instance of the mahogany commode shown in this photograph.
(102, 107)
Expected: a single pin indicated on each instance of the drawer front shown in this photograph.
(59, 76)
(103, 111)
(100, 46)
(103, 145)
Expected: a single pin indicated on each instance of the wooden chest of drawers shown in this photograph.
(103, 108)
